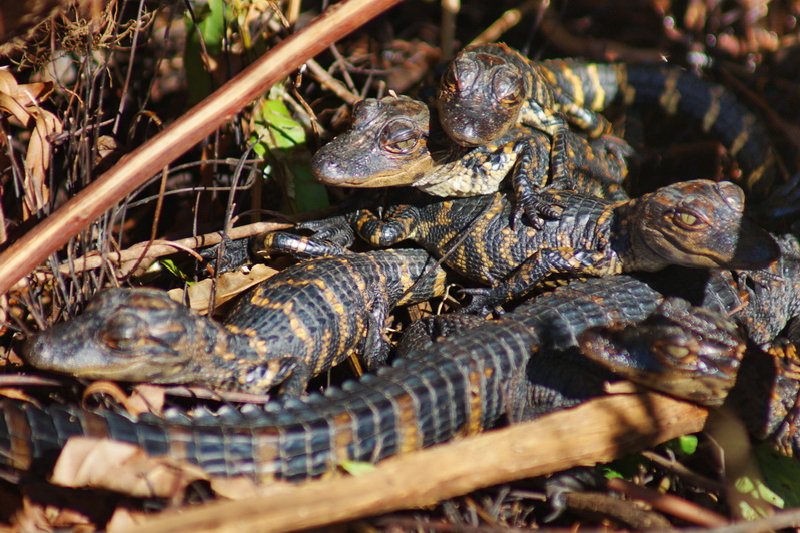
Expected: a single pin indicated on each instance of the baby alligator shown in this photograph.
(489, 89)
(290, 327)
(696, 223)
(388, 145)
(456, 387)
(765, 394)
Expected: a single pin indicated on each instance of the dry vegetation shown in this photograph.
(86, 83)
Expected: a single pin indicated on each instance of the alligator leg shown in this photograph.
(291, 373)
(528, 179)
(543, 264)
(555, 127)
(331, 237)
(299, 245)
(593, 124)
(397, 224)
(376, 343)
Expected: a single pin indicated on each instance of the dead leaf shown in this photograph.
(229, 285)
(124, 468)
(15, 394)
(146, 399)
(125, 519)
(46, 508)
(23, 103)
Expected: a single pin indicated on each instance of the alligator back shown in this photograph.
(457, 387)
(322, 309)
(476, 238)
(596, 86)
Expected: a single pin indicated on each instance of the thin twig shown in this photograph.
(667, 503)
(450, 9)
(76, 214)
(158, 249)
(507, 20)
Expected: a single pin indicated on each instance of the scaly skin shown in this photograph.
(697, 223)
(766, 390)
(690, 353)
(388, 145)
(294, 325)
(457, 387)
(490, 89)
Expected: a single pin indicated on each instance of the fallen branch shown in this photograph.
(595, 432)
(156, 249)
(138, 166)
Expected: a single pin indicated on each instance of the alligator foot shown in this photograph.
(482, 302)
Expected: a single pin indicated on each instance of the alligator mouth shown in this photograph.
(374, 181)
(329, 171)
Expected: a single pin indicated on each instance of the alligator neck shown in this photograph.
(628, 239)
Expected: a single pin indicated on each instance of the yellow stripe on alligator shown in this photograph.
(713, 108)
(628, 95)
(599, 100)
(670, 97)
(407, 424)
(577, 86)
(744, 135)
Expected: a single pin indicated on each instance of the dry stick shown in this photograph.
(668, 503)
(450, 9)
(332, 84)
(138, 166)
(507, 20)
(597, 431)
(160, 248)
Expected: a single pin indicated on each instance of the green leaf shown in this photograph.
(211, 27)
(758, 492)
(279, 136)
(609, 473)
(686, 444)
(624, 467)
(357, 468)
(172, 267)
(276, 126)
(781, 473)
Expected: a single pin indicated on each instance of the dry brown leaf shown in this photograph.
(10, 105)
(8, 83)
(229, 285)
(146, 399)
(37, 160)
(50, 513)
(22, 102)
(121, 467)
(15, 394)
(123, 519)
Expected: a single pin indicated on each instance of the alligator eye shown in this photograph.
(400, 136)
(687, 220)
(460, 75)
(122, 331)
(677, 352)
(507, 86)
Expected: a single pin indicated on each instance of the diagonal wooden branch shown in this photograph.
(597, 431)
(138, 166)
